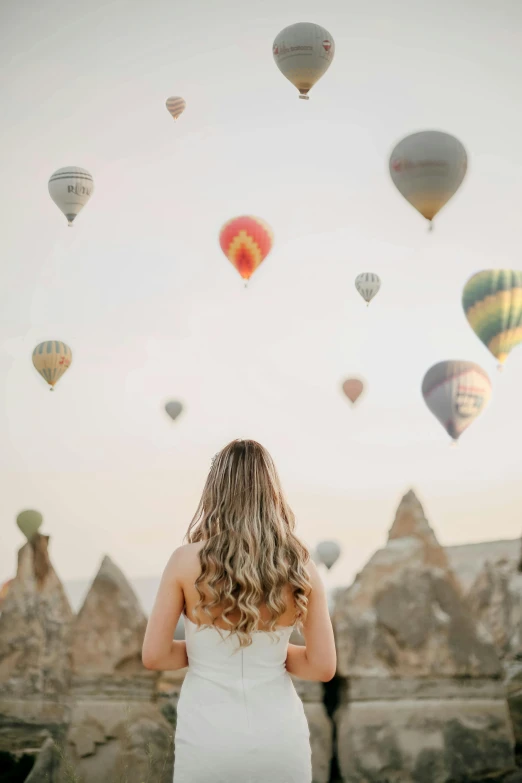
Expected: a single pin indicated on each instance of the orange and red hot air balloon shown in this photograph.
(246, 241)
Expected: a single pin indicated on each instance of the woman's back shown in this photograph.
(243, 582)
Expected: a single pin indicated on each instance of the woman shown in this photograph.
(243, 582)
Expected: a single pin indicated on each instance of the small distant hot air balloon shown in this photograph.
(427, 168)
(29, 522)
(456, 392)
(303, 52)
(173, 409)
(492, 302)
(70, 189)
(52, 358)
(246, 241)
(176, 106)
(329, 552)
(368, 285)
(353, 388)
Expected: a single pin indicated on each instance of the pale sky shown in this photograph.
(152, 310)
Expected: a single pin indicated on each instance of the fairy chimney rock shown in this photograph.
(35, 628)
(110, 626)
(405, 615)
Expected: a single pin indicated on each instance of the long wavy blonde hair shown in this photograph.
(250, 553)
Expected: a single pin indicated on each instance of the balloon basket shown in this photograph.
(500, 367)
(70, 225)
(304, 97)
(430, 227)
(454, 444)
(52, 388)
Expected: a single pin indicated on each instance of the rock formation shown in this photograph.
(112, 692)
(35, 653)
(495, 600)
(425, 700)
(109, 629)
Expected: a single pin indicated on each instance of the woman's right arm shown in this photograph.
(317, 660)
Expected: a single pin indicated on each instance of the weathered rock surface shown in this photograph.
(468, 560)
(126, 742)
(426, 702)
(495, 600)
(35, 653)
(109, 629)
(35, 628)
(47, 764)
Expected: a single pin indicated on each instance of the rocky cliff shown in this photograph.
(423, 679)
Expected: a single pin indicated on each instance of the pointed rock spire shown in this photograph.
(410, 522)
(35, 627)
(109, 629)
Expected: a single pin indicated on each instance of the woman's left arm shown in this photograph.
(161, 651)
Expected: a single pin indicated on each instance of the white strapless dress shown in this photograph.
(240, 719)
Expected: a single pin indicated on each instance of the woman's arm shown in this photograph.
(160, 651)
(298, 665)
(317, 660)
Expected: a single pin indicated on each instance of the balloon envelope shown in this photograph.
(176, 106)
(427, 168)
(173, 409)
(303, 52)
(329, 552)
(368, 285)
(492, 302)
(246, 241)
(52, 358)
(29, 522)
(353, 388)
(71, 188)
(456, 392)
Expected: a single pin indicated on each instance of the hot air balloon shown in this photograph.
(176, 106)
(70, 189)
(51, 359)
(329, 552)
(368, 285)
(492, 302)
(456, 392)
(246, 241)
(427, 168)
(173, 409)
(303, 52)
(353, 389)
(29, 522)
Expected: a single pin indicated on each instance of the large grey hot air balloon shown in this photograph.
(427, 168)
(368, 285)
(29, 522)
(329, 552)
(70, 189)
(456, 392)
(303, 52)
(173, 408)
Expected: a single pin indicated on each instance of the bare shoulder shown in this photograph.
(185, 558)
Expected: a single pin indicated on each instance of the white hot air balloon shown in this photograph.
(329, 552)
(173, 408)
(303, 52)
(427, 168)
(368, 285)
(176, 106)
(70, 189)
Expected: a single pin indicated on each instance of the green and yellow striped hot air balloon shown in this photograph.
(492, 302)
